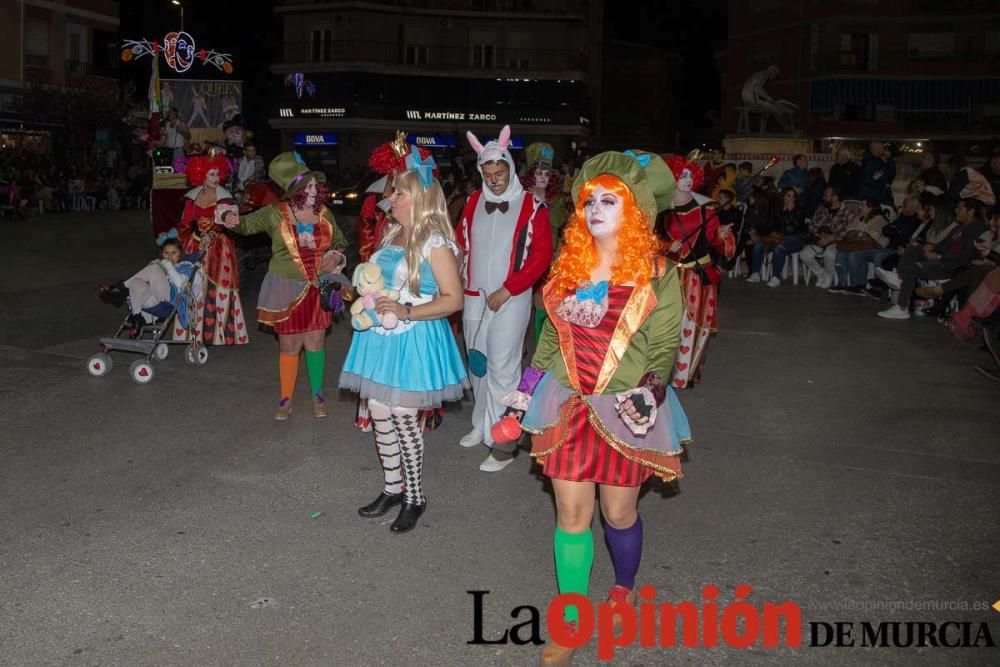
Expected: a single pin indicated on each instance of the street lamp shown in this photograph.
(178, 3)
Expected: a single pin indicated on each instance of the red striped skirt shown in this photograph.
(307, 316)
(583, 455)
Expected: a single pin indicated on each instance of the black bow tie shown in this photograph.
(491, 207)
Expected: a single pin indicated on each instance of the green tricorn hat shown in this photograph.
(539, 152)
(645, 174)
(290, 172)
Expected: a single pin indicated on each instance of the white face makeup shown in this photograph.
(685, 181)
(603, 212)
(212, 178)
(542, 177)
(311, 193)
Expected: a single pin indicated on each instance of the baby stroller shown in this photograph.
(152, 338)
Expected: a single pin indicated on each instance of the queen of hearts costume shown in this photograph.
(695, 225)
(220, 319)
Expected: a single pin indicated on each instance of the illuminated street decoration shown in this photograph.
(178, 51)
(301, 84)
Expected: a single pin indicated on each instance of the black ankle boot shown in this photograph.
(407, 519)
(381, 505)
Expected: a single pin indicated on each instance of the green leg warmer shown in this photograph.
(574, 557)
(315, 362)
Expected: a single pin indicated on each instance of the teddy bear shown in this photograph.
(370, 284)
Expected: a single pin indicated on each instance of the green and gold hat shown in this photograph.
(645, 174)
(290, 173)
(539, 152)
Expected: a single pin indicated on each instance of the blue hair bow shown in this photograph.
(163, 237)
(303, 228)
(643, 159)
(424, 167)
(596, 292)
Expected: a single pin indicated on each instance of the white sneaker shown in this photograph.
(894, 312)
(492, 464)
(890, 278)
(774, 282)
(472, 438)
(824, 282)
(754, 278)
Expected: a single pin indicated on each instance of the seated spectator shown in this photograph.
(728, 212)
(965, 281)
(827, 226)
(845, 174)
(935, 262)
(901, 230)
(813, 196)
(991, 171)
(863, 242)
(796, 177)
(743, 187)
(758, 224)
(930, 175)
(788, 237)
(965, 182)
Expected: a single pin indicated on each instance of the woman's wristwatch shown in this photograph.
(406, 320)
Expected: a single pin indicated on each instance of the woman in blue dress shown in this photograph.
(417, 364)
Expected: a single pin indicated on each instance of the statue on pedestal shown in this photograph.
(756, 100)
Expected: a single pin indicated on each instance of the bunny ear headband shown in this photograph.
(163, 237)
(493, 151)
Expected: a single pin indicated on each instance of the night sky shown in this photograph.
(252, 34)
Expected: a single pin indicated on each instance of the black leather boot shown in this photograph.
(381, 505)
(407, 519)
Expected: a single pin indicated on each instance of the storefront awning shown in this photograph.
(936, 95)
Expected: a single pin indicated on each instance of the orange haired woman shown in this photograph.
(692, 230)
(596, 398)
(220, 319)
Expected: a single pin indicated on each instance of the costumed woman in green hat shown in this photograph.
(596, 397)
(306, 247)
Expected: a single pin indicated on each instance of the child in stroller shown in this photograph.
(152, 291)
(160, 297)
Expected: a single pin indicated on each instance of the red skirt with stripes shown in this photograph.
(307, 316)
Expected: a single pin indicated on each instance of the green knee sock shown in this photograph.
(540, 317)
(574, 557)
(315, 361)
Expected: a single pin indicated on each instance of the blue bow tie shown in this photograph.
(303, 228)
(596, 293)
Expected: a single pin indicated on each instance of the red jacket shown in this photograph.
(531, 253)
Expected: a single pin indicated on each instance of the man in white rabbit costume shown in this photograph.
(507, 246)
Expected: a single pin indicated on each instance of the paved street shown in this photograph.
(837, 458)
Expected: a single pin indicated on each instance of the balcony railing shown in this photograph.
(80, 68)
(900, 61)
(441, 57)
(40, 60)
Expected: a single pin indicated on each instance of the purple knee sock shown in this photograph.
(625, 545)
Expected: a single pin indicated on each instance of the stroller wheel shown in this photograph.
(99, 365)
(161, 351)
(141, 371)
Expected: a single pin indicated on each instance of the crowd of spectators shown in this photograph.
(35, 183)
(928, 256)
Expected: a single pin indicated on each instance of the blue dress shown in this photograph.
(417, 364)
